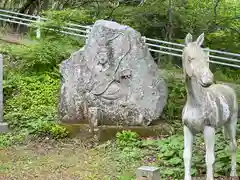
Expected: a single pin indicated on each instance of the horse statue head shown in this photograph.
(196, 61)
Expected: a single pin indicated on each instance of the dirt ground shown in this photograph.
(55, 161)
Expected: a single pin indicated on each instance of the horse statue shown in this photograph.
(208, 106)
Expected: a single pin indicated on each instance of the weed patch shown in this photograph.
(167, 153)
(31, 87)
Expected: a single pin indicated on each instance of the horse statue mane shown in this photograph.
(208, 106)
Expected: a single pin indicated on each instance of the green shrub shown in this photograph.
(32, 83)
(227, 75)
(176, 99)
(127, 139)
(169, 155)
(34, 104)
(13, 137)
(42, 55)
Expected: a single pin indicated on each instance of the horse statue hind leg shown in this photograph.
(209, 106)
(230, 132)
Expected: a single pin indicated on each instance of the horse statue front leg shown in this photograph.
(187, 154)
(209, 139)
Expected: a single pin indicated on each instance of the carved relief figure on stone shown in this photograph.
(112, 86)
(209, 106)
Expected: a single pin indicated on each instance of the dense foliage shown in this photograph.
(31, 86)
(166, 153)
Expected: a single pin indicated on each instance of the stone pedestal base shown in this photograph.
(3, 127)
(148, 173)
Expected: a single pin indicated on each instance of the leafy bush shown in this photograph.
(127, 139)
(176, 99)
(169, 153)
(42, 55)
(32, 83)
(227, 75)
(34, 104)
(12, 138)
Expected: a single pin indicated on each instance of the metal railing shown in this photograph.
(31, 21)
(216, 56)
(159, 46)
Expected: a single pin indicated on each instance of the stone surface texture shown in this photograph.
(112, 80)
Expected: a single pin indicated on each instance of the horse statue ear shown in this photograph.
(200, 39)
(188, 39)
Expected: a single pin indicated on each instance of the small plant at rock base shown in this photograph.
(128, 139)
(48, 128)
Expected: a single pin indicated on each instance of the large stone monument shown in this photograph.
(112, 80)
